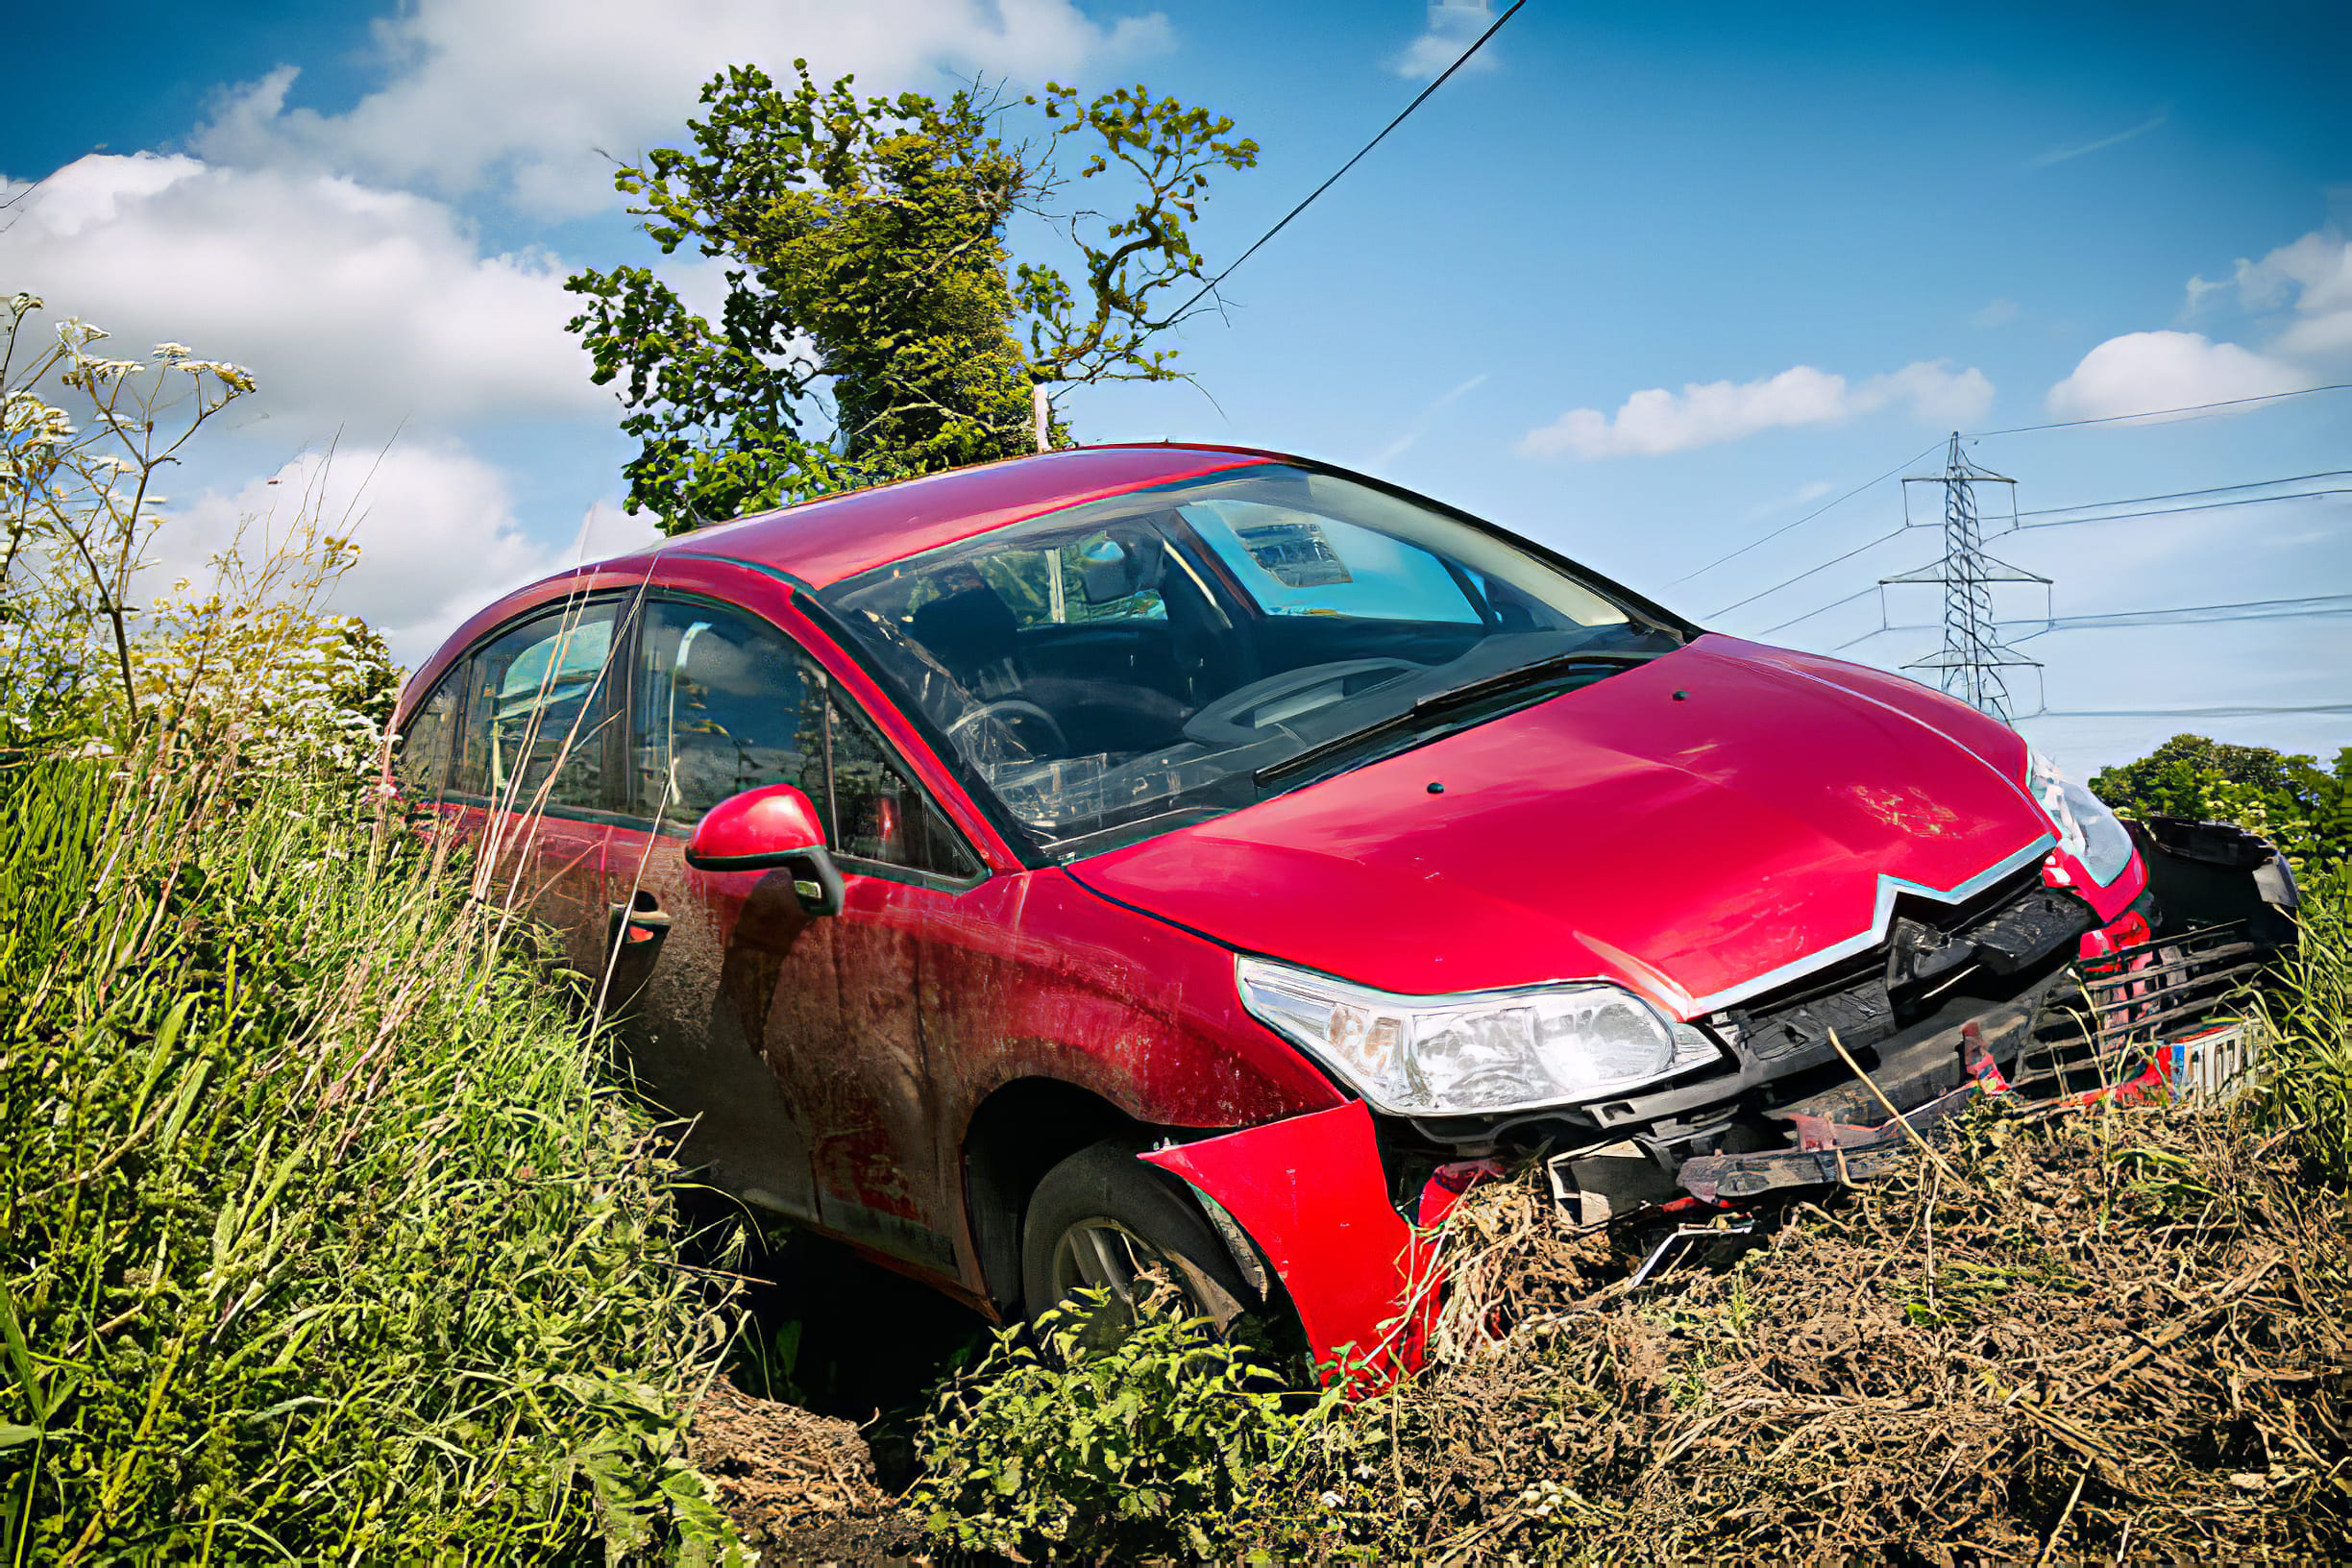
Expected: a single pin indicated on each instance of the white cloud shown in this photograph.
(2314, 273)
(353, 307)
(1655, 421)
(1453, 25)
(2140, 371)
(532, 94)
(1994, 313)
(435, 525)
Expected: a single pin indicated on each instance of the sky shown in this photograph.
(1665, 288)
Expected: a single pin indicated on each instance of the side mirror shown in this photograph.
(765, 829)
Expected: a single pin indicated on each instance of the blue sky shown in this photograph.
(1648, 283)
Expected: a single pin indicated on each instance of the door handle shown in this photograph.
(638, 925)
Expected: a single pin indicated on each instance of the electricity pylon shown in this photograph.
(1973, 657)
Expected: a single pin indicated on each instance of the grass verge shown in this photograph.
(322, 1239)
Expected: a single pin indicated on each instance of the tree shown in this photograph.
(79, 504)
(2306, 811)
(869, 286)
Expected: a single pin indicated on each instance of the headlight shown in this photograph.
(2087, 829)
(1476, 1052)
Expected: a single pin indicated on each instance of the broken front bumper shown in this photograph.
(1337, 1202)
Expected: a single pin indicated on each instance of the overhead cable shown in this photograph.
(2183, 494)
(2176, 511)
(2251, 609)
(1859, 593)
(1810, 572)
(1209, 287)
(2161, 413)
(1809, 516)
(2180, 615)
(2245, 712)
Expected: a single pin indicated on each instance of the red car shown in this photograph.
(1211, 858)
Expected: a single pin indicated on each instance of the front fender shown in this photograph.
(1312, 1193)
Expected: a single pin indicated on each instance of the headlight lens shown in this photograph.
(2087, 829)
(1478, 1052)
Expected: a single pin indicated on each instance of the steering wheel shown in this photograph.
(1229, 721)
(1014, 707)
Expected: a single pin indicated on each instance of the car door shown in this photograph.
(514, 744)
(795, 1042)
(888, 1174)
(717, 702)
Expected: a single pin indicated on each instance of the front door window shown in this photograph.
(722, 703)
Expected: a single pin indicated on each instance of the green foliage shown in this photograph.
(318, 1235)
(1079, 1443)
(2306, 1083)
(2306, 811)
(863, 246)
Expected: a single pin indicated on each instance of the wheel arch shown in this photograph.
(1018, 1133)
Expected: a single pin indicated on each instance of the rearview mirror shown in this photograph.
(1112, 568)
(767, 829)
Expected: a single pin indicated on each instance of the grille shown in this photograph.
(1863, 1003)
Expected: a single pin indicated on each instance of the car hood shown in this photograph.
(1699, 828)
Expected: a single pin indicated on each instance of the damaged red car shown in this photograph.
(1210, 859)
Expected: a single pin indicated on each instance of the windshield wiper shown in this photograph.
(1469, 694)
(1527, 674)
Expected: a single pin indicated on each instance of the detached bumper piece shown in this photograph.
(2224, 903)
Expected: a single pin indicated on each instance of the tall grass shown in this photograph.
(2306, 1081)
(319, 1236)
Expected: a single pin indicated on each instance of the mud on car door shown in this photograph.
(793, 1040)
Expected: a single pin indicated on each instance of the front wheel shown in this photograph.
(1104, 1219)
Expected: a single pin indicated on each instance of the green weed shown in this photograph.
(1076, 1443)
(320, 1238)
(2305, 1085)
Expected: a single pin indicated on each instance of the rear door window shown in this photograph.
(537, 702)
(421, 761)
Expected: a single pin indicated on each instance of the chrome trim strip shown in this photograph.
(1881, 917)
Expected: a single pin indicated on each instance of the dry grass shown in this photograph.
(2117, 1331)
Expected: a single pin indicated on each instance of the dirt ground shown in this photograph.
(800, 1486)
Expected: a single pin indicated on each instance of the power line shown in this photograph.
(1209, 287)
(2241, 712)
(2159, 413)
(1859, 593)
(2251, 609)
(2177, 511)
(2183, 494)
(1811, 572)
(2073, 622)
(2179, 615)
(1809, 516)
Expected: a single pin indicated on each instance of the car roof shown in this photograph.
(821, 542)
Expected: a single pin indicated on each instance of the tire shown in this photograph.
(1102, 1218)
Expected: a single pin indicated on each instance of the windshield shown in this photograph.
(1124, 667)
